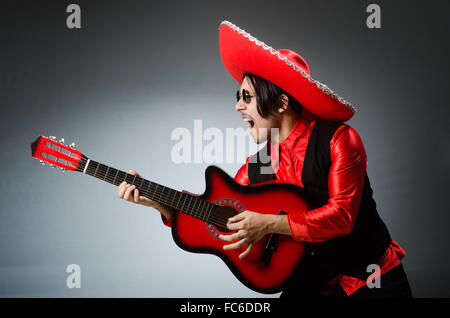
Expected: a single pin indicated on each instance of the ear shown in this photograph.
(284, 102)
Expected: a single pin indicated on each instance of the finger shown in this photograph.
(121, 189)
(136, 196)
(237, 217)
(126, 186)
(236, 245)
(231, 237)
(134, 173)
(235, 226)
(128, 192)
(247, 251)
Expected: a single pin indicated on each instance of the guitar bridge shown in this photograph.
(269, 248)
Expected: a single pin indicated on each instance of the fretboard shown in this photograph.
(177, 200)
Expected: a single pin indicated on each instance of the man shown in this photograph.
(307, 145)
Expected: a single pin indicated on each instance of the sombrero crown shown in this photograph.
(243, 53)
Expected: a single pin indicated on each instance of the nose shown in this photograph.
(240, 105)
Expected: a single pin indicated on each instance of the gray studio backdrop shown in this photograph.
(137, 70)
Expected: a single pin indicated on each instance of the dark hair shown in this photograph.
(268, 96)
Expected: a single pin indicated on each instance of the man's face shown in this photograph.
(260, 128)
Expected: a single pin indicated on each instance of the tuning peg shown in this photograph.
(72, 145)
(61, 141)
(52, 137)
(42, 162)
(63, 170)
(52, 165)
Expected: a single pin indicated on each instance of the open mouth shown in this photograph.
(250, 122)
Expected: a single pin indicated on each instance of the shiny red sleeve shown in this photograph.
(242, 174)
(345, 185)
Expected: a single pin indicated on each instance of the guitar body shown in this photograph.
(196, 236)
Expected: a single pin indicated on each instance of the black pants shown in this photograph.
(393, 284)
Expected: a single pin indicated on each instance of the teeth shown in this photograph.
(247, 119)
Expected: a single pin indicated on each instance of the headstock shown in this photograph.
(56, 153)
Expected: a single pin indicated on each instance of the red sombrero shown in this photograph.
(242, 53)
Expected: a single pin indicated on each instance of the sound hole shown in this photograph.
(228, 208)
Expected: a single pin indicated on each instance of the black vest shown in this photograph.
(349, 254)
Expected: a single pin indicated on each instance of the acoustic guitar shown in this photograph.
(201, 218)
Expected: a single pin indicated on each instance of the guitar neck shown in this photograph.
(186, 203)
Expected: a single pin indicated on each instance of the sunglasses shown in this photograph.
(246, 97)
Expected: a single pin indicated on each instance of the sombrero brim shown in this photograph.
(242, 53)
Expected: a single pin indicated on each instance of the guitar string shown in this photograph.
(216, 219)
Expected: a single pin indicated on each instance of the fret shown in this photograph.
(189, 204)
(154, 192)
(161, 195)
(121, 175)
(161, 192)
(210, 209)
(173, 198)
(199, 209)
(203, 203)
(166, 197)
(109, 175)
(182, 207)
(141, 188)
(136, 181)
(129, 178)
(148, 188)
(168, 194)
(132, 182)
(207, 208)
(101, 171)
(196, 210)
(114, 181)
(178, 202)
(106, 173)
(193, 207)
(95, 172)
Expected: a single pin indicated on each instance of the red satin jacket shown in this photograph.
(345, 186)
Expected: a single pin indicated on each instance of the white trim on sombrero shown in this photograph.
(324, 88)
